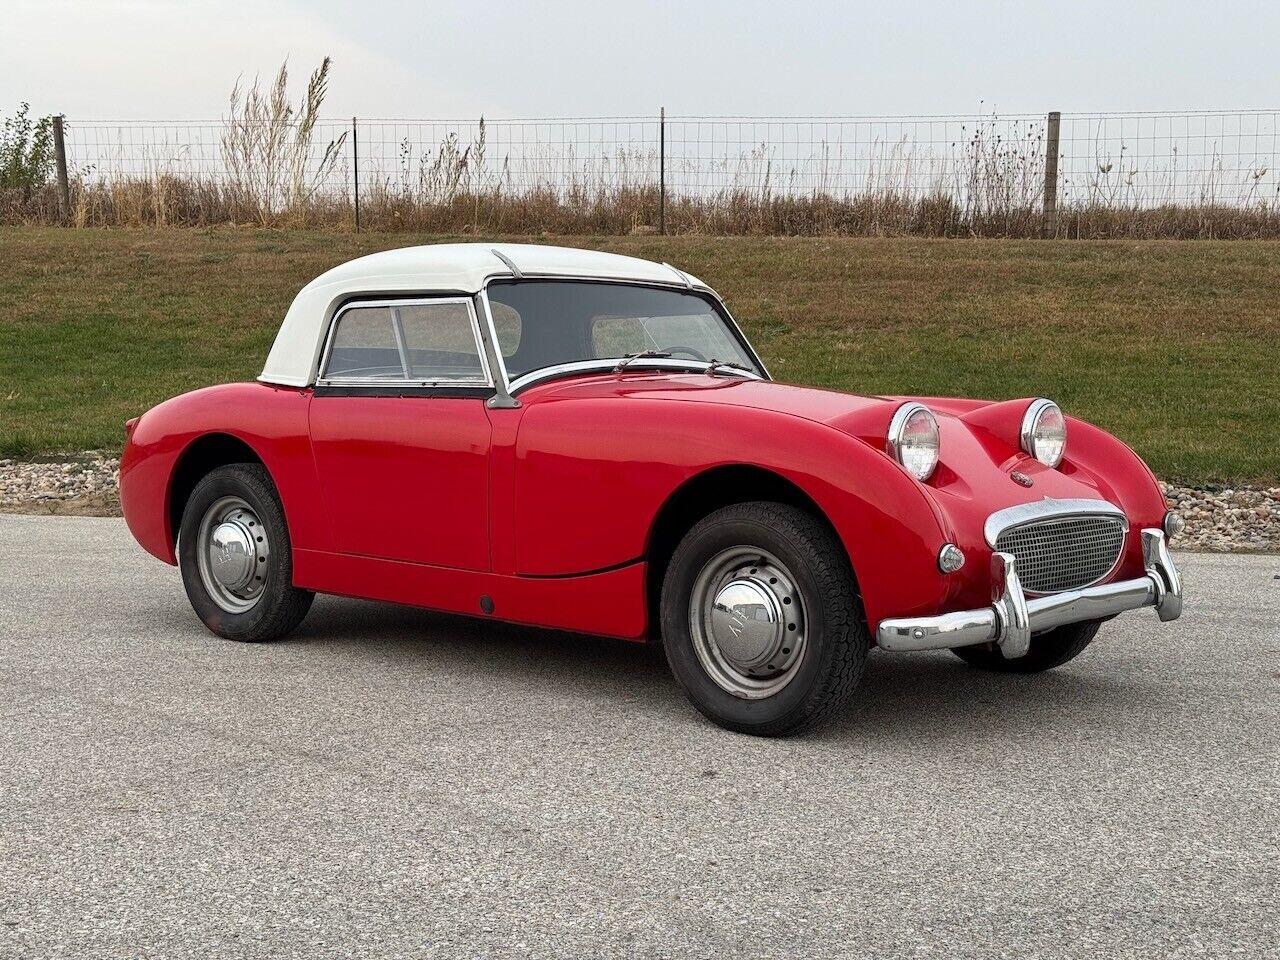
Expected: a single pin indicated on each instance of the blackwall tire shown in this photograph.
(236, 558)
(1048, 650)
(761, 619)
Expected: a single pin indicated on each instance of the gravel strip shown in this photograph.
(83, 485)
(1227, 519)
(1220, 519)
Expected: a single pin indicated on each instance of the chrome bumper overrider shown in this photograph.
(1012, 618)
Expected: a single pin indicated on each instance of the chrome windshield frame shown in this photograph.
(609, 365)
(508, 388)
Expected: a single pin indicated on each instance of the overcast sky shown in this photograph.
(151, 59)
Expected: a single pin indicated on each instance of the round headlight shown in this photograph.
(1044, 432)
(913, 439)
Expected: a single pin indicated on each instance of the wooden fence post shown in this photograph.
(662, 170)
(1050, 223)
(64, 182)
(355, 170)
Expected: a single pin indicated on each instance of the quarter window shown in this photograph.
(420, 342)
(506, 323)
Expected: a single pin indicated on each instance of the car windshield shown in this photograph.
(543, 323)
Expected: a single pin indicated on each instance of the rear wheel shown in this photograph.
(1050, 649)
(235, 556)
(761, 621)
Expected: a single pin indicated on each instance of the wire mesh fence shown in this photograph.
(1117, 174)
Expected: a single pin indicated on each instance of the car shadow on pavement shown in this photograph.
(904, 696)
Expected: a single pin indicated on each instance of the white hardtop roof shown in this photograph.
(436, 268)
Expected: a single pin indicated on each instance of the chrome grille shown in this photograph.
(1064, 553)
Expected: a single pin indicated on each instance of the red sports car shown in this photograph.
(584, 441)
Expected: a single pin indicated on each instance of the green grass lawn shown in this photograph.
(1174, 346)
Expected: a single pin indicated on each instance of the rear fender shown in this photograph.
(270, 421)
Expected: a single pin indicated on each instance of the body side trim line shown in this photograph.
(611, 568)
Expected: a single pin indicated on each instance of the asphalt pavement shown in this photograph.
(393, 782)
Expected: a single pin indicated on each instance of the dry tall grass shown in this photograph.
(168, 200)
(274, 172)
(268, 148)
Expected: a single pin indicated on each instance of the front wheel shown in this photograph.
(761, 621)
(1050, 649)
(236, 558)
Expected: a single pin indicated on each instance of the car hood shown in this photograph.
(860, 415)
(812, 403)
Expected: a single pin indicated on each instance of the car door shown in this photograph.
(400, 433)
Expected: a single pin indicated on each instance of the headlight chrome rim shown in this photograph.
(1030, 431)
(894, 443)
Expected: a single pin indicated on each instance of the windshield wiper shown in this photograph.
(642, 355)
(713, 365)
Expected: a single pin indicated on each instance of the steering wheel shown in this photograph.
(677, 348)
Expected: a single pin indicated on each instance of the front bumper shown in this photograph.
(1011, 619)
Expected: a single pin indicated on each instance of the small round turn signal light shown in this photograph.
(950, 558)
(1173, 524)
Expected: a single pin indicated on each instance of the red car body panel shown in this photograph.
(386, 465)
(545, 513)
(610, 603)
(625, 445)
(272, 421)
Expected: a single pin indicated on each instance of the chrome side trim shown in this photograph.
(679, 273)
(580, 278)
(607, 364)
(1047, 509)
(515, 271)
(742, 337)
(392, 304)
(402, 345)
(1012, 619)
(502, 400)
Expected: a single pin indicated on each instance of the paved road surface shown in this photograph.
(393, 782)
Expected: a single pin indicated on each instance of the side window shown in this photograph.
(364, 346)
(439, 341)
(414, 341)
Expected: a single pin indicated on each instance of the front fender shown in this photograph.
(594, 474)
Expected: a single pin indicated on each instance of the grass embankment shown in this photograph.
(1173, 346)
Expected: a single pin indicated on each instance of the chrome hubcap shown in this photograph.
(231, 554)
(747, 621)
(232, 550)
